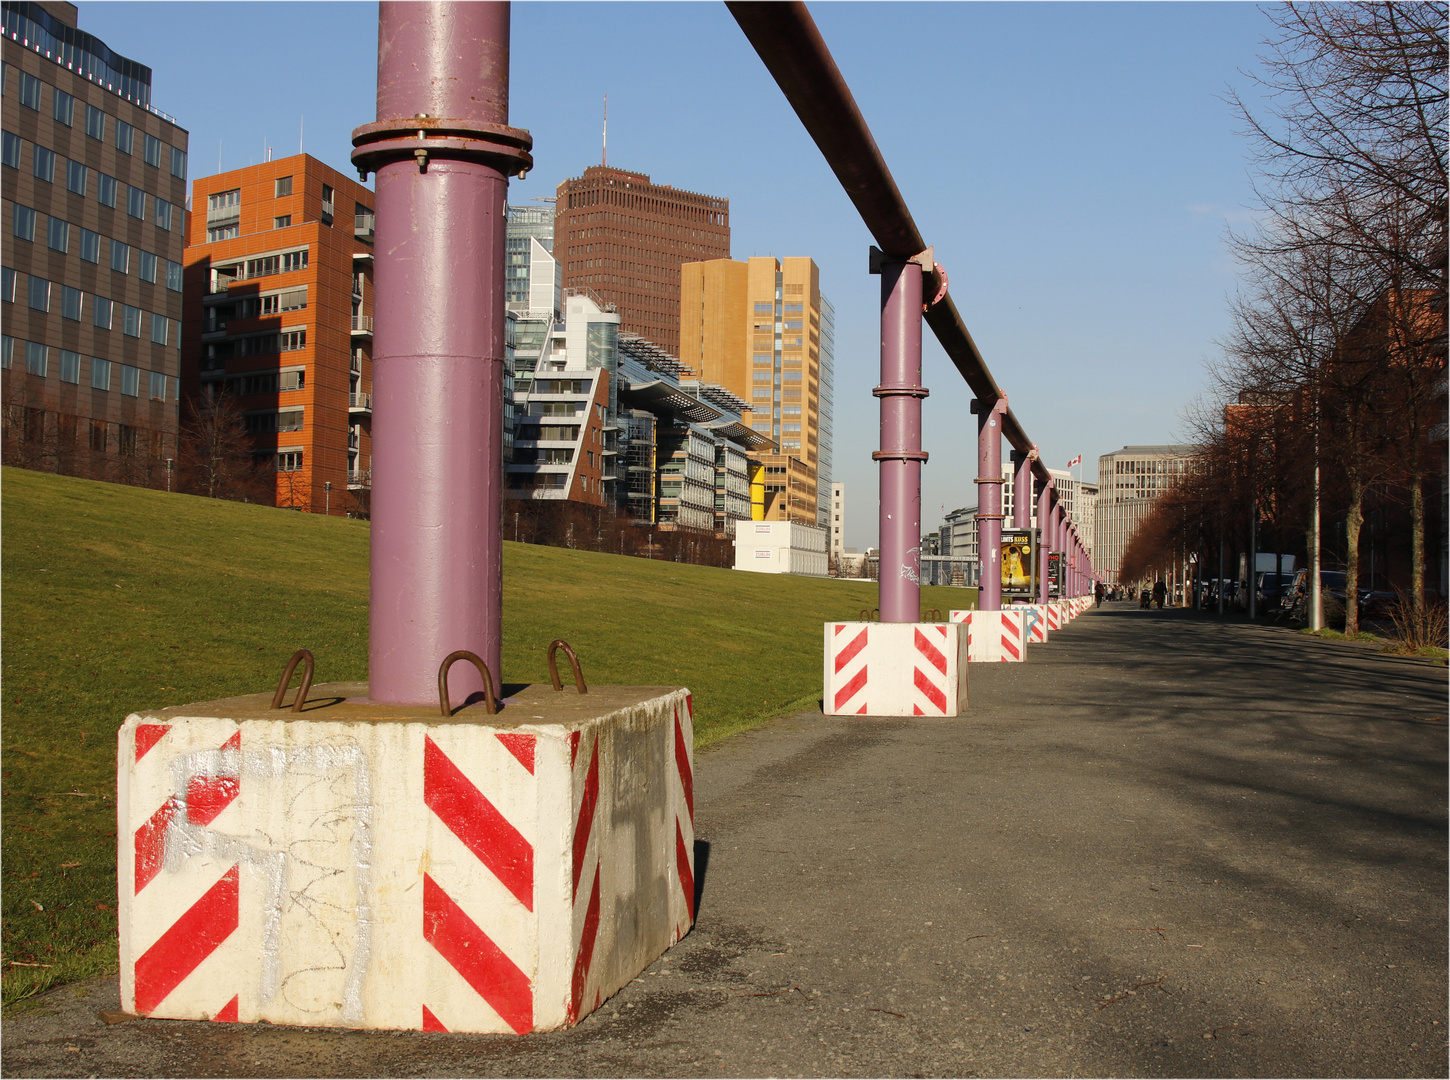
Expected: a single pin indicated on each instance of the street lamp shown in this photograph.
(169, 463)
(327, 497)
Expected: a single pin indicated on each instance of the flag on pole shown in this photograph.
(1075, 461)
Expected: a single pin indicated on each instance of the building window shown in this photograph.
(158, 329)
(29, 91)
(173, 276)
(58, 234)
(147, 266)
(327, 205)
(100, 374)
(125, 433)
(7, 351)
(70, 304)
(130, 322)
(291, 460)
(151, 150)
(70, 366)
(106, 190)
(98, 436)
(11, 153)
(44, 163)
(136, 203)
(7, 285)
(101, 312)
(125, 136)
(178, 163)
(120, 257)
(163, 214)
(95, 122)
(75, 177)
(63, 106)
(23, 222)
(39, 293)
(284, 186)
(158, 386)
(90, 246)
(282, 222)
(223, 232)
(130, 381)
(37, 358)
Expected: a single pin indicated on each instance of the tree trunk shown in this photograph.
(1353, 523)
(1417, 547)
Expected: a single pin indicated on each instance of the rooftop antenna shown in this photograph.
(604, 158)
(300, 121)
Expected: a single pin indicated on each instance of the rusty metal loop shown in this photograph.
(306, 658)
(444, 705)
(934, 612)
(554, 646)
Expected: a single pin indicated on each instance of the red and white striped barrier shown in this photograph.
(994, 636)
(403, 873)
(1034, 622)
(895, 669)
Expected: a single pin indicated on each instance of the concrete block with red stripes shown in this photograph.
(1034, 622)
(364, 866)
(994, 636)
(895, 669)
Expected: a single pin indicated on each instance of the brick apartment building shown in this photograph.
(93, 186)
(624, 239)
(278, 304)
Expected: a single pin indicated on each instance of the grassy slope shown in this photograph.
(116, 599)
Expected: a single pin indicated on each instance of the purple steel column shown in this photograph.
(900, 455)
(442, 153)
(1044, 538)
(989, 502)
(1022, 481)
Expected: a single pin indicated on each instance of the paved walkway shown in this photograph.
(1165, 846)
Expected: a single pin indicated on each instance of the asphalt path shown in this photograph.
(1165, 846)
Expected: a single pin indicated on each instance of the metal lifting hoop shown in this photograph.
(444, 705)
(554, 646)
(306, 658)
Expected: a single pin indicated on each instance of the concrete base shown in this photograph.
(371, 866)
(1034, 622)
(994, 636)
(895, 669)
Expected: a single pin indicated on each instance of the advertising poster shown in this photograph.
(1054, 573)
(1016, 562)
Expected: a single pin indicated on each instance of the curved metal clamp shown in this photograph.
(941, 294)
(306, 658)
(444, 705)
(901, 391)
(899, 455)
(554, 646)
(870, 614)
(420, 137)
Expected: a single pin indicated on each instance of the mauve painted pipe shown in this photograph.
(989, 503)
(1044, 538)
(787, 41)
(900, 455)
(437, 582)
(1021, 481)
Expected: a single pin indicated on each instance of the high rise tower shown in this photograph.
(624, 239)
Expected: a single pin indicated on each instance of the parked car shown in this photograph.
(1270, 590)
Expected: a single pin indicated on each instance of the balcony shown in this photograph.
(360, 404)
(362, 325)
(359, 479)
(354, 439)
(328, 211)
(363, 226)
(356, 363)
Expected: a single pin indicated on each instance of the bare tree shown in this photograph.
(216, 451)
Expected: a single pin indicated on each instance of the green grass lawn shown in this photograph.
(117, 599)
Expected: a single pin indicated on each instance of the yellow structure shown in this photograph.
(762, 330)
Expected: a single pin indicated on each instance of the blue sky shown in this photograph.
(1073, 165)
